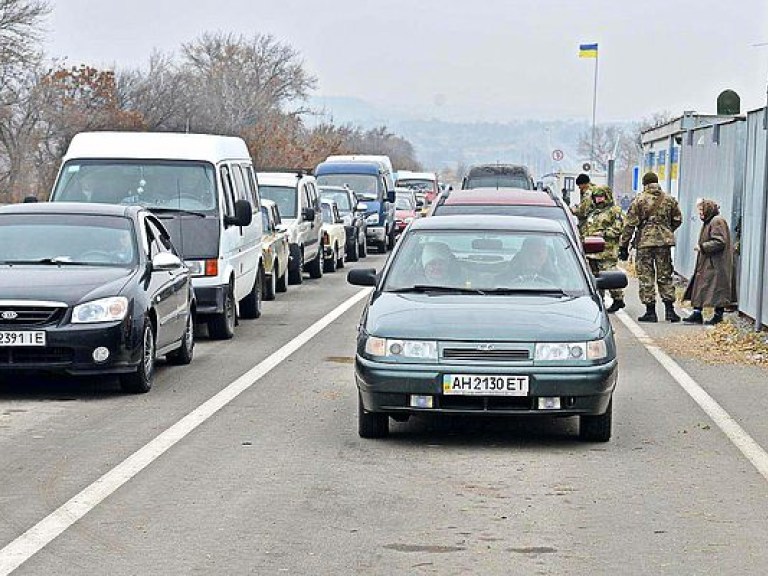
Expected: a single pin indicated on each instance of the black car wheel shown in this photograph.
(597, 428)
(270, 285)
(329, 264)
(250, 306)
(315, 268)
(183, 355)
(391, 238)
(351, 250)
(371, 424)
(282, 282)
(296, 266)
(222, 326)
(140, 381)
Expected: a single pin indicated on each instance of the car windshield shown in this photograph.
(283, 196)
(67, 239)
(500, 181)
(366, 186)
(174, 185)
(341, 199)
(404, 203)
(416, 184)
(486, 261)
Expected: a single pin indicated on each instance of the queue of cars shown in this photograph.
(488, 307)
(147, 235)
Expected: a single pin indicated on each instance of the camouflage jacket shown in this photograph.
(605, 220)
(585, 205)
(652, 219)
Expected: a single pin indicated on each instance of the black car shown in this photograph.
(491, 315)
(498, 176)
(91, 289)
(354, 219)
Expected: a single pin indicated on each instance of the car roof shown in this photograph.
(157, 146)
(408, 175)
(499, 196)
(339, 167)
(501, 223)
(281, 178)
(73, 208)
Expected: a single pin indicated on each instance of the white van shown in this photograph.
(204, 189)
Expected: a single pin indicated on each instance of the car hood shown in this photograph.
(69, 284)
(485, 318)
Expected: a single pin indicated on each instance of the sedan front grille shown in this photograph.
(12, 316)
(35, 356)
(487, 354)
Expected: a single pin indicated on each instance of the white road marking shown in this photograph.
(40, 535)
(735, 433)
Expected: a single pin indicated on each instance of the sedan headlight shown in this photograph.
(372, 219)
(411, 349)
(571, 351)
(103, 310)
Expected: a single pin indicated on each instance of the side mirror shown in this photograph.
(594, 244)
(30, 200)
(281, 228)
(243, 214)
(361, 207)
(362, 277)
(308, 214)
(611, 280)
(166, 262)
(391, 196)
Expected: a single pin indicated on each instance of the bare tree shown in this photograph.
(20, 32)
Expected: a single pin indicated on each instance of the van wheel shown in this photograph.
(140, 382)
(329, 265)
(250, 306)
(315, 268)
(382, 246)
(222, 326)
(270, 284)
(282, 282)
(596, 428)
(296, 265)
(391, 239)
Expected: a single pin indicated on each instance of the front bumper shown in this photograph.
(210, 299)
(69, 350)
(386, 387)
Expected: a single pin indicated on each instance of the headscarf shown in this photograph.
(710, 209)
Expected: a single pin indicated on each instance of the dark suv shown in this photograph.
(498, 176)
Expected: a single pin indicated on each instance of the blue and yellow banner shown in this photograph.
(587, 50)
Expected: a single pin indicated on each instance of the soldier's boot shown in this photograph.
(650, 314)
(669, 312)
(694, 318)
(717, 318)
(615, 306)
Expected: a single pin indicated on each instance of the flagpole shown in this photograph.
(594, 112)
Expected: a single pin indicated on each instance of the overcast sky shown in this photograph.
(464, 59)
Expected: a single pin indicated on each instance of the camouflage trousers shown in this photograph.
(598, 266)
(654, 266)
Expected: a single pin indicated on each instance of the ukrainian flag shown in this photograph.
(587, 50)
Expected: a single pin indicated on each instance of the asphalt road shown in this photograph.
(277, 481)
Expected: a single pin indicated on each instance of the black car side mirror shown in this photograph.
(243, 214)
(166, 262)
(611, 280)
(391, 196)
(308, 214)
(362, 277)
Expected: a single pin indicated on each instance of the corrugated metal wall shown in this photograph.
(711, 166)
(754, 217)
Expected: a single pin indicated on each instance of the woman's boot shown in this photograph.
(694, 318)
(717, 318)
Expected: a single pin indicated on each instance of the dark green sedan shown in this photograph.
(486, 315)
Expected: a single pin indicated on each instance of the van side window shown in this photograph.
(229, 195)
(250, 181)
(241, 191)
(307, 197)
(313, 196)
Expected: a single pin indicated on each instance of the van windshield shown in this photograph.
(367, 186)
(170, 184)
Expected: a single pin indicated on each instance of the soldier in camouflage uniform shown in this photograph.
(652, 219)
(604, 219)
(585, 197)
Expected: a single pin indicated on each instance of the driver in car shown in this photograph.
(533, 261)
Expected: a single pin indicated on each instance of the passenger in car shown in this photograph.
(534, 259)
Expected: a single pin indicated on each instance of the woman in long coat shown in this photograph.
(711, 283)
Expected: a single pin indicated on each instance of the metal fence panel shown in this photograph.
(754, 217)
(711, 166)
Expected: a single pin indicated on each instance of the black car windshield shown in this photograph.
(283, 196)
(487, 261)
(341, 198)
(500, 181)
(67, 239)
(176, 185)
(366, 186)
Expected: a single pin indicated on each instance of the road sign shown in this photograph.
(557, 155)
(586, 166)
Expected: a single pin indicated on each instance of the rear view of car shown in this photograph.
(422, 182)
(498, 176)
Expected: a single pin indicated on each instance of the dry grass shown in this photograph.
(731, 342)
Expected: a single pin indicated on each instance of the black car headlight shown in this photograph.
(391, 349)
(102, 310)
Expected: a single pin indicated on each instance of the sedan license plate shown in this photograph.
(22, 338)
(484, 385)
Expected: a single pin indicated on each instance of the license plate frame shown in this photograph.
(485, 385)
(22, 338)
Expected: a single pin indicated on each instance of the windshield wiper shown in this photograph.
(531, 291)
(164, 210)
(423, 288)
(57, 261)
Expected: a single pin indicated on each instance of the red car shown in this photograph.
(406, 209)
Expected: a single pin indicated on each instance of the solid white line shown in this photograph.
(735, 433)
(36, 538)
